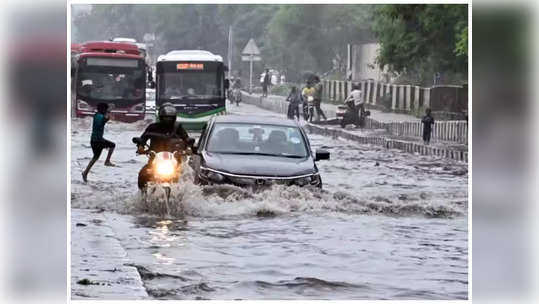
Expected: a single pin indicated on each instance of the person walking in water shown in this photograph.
(428, 122)
(97, 141)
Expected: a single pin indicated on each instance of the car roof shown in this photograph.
(254, 119)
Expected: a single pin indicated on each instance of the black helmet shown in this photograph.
(167, 113)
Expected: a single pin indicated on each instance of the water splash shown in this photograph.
(188, 199)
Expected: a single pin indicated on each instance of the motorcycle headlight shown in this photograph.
(164, 168)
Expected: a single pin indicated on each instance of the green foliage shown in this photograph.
(461, 48)
(421, 39)
(280, 89)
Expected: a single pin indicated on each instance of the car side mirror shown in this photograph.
(227, 84)
(321, 155)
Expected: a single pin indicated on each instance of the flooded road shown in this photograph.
(388, 225)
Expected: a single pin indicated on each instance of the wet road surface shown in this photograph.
(388, 225)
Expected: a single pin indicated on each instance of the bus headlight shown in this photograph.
(138, 108)
(83, 105)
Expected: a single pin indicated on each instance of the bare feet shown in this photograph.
(85, 176)
(109, 164)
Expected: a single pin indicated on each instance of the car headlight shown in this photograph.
(215, 177)
(313, 180)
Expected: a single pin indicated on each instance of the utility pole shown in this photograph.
(230, 46)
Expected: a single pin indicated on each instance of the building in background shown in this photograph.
(361, 64)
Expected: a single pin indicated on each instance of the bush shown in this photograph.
(280, 89)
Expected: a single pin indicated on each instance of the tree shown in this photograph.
(420, 39)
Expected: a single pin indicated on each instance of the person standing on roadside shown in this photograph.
(97, 141)
(428, 122)
(318, 89)
(294, 99)
(266, 83)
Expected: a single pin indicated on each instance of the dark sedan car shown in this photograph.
(255, 151)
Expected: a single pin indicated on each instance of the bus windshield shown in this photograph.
(176, 85)
(117, 79)
(182, 79)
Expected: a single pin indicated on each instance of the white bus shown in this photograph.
(194, 81)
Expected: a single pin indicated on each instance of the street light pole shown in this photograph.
(229, 51)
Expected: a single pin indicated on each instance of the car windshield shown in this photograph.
(243, 138)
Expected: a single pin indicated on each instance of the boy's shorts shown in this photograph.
(98, 146)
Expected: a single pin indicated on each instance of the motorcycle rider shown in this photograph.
(160, 135)
(307, 92)
(355, 112)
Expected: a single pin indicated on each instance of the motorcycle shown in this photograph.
(308, 108)
(351, 115)
(166, 167)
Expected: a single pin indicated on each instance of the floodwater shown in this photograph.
(388, 225)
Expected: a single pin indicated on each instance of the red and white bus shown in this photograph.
(110, 72)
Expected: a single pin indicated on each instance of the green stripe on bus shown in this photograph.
(215, 111)
(193, 126)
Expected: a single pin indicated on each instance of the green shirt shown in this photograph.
(98, 127)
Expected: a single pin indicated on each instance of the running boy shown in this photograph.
(97, 141)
